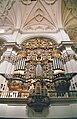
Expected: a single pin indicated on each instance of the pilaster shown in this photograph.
(8, 61)
(69, 60)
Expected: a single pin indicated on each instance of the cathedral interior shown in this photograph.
(38, 59)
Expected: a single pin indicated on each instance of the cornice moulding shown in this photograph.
(63, 44)
(14, 45)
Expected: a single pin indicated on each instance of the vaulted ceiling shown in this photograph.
(69, 18)
(38, 15)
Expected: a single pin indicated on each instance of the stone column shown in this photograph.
(8, 62)
(70, 64)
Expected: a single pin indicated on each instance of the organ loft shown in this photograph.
(38, 59)
(39, 73)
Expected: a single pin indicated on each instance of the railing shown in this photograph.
(51, 94)
(14, 94)
(68, 94)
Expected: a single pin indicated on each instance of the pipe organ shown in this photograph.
(58, 67)
(39, 70)
(41, 61)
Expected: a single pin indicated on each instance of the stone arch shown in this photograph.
(38, 36)
(46, 39)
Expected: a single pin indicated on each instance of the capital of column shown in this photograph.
(12, 45)
(68, 52)
(65, 44)
(10, 52)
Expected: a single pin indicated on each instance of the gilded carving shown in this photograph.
(39, 71)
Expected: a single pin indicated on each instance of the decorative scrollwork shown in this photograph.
(69, 57)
